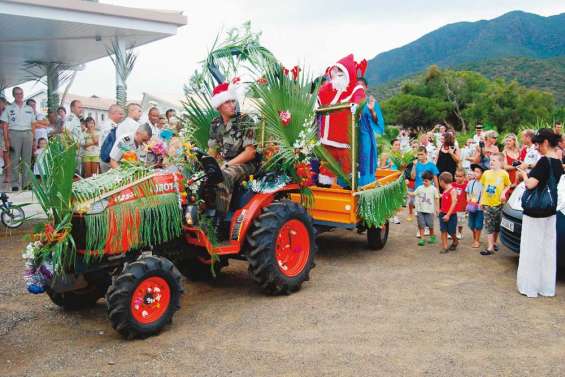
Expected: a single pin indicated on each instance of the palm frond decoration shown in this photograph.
(240, 47)
(401, 160)
(124, 61)
(281, 94)
(54, 193)
(197, 116)
(275, 96)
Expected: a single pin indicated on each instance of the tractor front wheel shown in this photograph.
(144, 296)
(281, 248)
(377, 237)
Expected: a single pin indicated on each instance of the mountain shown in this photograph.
(512, 34)
(544, 74)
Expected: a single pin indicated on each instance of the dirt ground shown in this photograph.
(402, 311)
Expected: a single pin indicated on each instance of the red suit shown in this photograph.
(335, 126)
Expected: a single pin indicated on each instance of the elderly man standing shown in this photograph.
(18, 136)
(134, 142)
(232, 142)
(115, 116)
(131, 123)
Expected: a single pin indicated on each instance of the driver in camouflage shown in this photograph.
(232, 143)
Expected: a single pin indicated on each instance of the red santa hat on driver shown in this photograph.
(223, 93)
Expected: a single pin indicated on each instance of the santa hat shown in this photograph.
(351, 68)
(222, 93)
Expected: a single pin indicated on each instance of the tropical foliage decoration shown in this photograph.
(54, 193)
(285, 101)
(377, 205)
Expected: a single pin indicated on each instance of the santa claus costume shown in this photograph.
(335, 126)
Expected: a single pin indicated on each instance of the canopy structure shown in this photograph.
(72, 32)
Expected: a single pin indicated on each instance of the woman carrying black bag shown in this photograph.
(537, 267)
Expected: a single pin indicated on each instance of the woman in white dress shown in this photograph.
(538, 244)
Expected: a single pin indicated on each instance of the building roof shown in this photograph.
(72, 32)
(92, 102)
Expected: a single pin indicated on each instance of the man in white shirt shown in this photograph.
(72, 124)
(529, 155)
(131, 123)
(115, 116)
(153, 120)
(478, 136)
(18, 136)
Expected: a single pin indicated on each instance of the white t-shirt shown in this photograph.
(532, 156)
(126, 128)
(425, 199)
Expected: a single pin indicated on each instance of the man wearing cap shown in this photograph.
(232, 142)
(477, 137)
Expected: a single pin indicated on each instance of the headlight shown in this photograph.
(191, 215)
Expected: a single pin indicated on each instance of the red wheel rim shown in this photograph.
(292, 247)
(150, 300)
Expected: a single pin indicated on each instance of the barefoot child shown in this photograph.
(476, 217)
(495, 184)
(447, 214)
(460, 185)
(426, 200)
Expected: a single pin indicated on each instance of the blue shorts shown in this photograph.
(450, 226)
(475, 220)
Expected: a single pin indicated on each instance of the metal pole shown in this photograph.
(353, 153)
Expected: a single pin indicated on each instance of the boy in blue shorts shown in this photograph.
(476, 217)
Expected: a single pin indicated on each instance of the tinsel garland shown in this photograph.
(376, 206)
(90, 188)
(150, 220)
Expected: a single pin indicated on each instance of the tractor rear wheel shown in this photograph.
(281, 247)
(144, 296)
(377, 237)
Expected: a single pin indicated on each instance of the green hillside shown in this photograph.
(544, 74)
(513, 34)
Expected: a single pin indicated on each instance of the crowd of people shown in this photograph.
(471, 184)
(24, 132)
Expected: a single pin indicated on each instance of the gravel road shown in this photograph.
(402, 311)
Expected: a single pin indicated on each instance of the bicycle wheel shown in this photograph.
(12, 217)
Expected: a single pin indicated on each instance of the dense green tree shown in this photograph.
(463, 99)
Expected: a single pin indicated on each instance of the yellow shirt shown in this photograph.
(494, 182)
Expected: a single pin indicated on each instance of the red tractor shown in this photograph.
(274, 234)
(142, 285)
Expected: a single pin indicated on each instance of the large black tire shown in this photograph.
(82, 298)
(125, 288)
(377, 237)
(264, 267)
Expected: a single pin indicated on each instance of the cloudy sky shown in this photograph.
(313, 32)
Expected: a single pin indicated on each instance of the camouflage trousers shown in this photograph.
(233, 175)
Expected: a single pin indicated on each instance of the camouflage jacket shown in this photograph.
(230, 139)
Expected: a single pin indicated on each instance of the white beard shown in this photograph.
(339, 83)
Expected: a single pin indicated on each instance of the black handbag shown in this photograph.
(541, 201)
